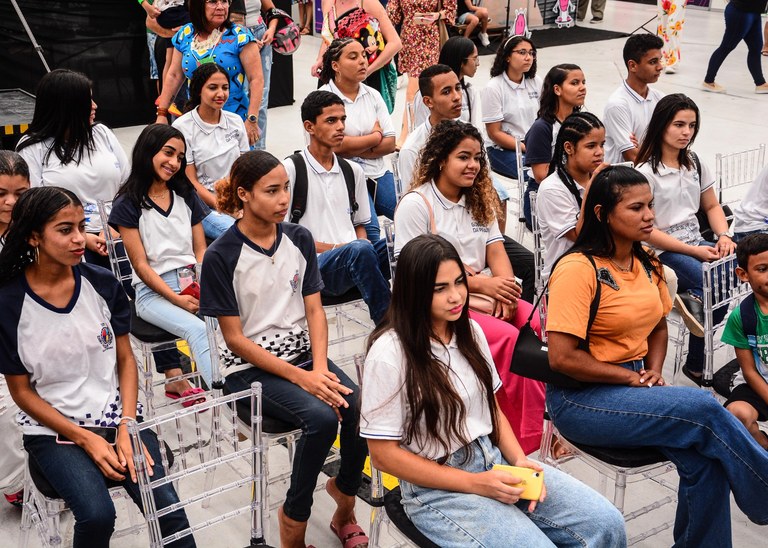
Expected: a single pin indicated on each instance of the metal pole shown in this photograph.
(37, 47)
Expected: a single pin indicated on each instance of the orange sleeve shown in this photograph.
(572, 287)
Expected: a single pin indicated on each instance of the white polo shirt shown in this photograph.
(165, 235)
(213, 148)
(385, 410)
(514, 105)
(557, 212)
(409, 152)
(327, 215)
(677, 198)
(264, 287)
(471, 108)
(97, 176)
(453, 221)
(751, 212)
(626, 112)
(362, 113)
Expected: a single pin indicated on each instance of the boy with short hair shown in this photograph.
(748, 334)
(347, 259)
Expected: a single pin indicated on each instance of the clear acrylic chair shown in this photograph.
(389, 234)
(146, 337)
(538, 261)
(737, 169)
(204, 443)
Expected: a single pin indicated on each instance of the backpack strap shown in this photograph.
(749, 319)
(349, 179)
(299, 201)
(430, 211)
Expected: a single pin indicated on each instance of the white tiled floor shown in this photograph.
(730, 122)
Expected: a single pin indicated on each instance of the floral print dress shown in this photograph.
(670, 29)
(421, 43)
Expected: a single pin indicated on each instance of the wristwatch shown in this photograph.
(252, 118)
(721, 234)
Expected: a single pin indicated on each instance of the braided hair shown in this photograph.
(574, 129)
(333, 53)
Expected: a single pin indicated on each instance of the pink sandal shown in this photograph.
(351, 535)
(186, 394)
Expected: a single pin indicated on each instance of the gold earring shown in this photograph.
(36, 255)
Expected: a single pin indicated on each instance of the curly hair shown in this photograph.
(247, 170)
(481, 199)
(333, 53)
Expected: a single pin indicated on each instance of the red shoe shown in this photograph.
(16, 499)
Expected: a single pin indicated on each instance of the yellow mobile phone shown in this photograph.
(532, 480)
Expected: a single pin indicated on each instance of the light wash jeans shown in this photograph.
(152, 307)
(215, 224)
(258, 31)
(571, 515)
(712, 450)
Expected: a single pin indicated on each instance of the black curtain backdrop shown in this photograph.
(105, 39)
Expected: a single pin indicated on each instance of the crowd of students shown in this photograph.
(267, 239)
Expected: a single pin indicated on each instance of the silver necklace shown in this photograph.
(621, 268)
(264, 251)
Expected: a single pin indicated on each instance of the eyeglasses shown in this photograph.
(525, 52)
(217, 2)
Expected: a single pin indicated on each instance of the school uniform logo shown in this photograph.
(294, 283)
(105, 337)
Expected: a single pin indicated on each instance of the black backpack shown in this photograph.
(299, 202)
(723, 378)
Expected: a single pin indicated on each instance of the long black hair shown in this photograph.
(63, 114)
(548, 101)
(577, 126)
(501, 62)
(199, 78)
(663, 115)
(32, 211)
(455, 53)
(436, 410)
(595, 237)
(149, 143)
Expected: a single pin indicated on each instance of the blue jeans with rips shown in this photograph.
(290, 403)
(258, 31)
(714, 454)
(359, 264)
(79, 481)
(571, 515)
(689, 278)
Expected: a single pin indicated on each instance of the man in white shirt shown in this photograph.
(347, 259)
(630, 107)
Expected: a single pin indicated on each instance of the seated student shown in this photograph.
(472, 14)
(751, 213)
(562, 93)
(432, 419)
(630, 107)
(441, 92)
(453, 196)
(749, 335)
(215, 139)
(682, 185)
(510, 103)
(347, 259)
(14, 181)
(368, 133)
(159, 216)
(67, 359)
(263, 284)
(625, 402)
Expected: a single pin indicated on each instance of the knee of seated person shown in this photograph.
(97, 518)
(742, 411)
(481, 13)
(361, 247)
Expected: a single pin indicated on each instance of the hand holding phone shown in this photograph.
(193, 290)
(531, 481)
(425, 18)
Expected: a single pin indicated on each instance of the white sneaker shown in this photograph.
(484, 40)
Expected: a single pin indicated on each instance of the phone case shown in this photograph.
(193, 290)
(532, 480)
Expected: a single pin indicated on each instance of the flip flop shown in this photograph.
(351, 535)
(186, 394)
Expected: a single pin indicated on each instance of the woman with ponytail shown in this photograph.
(263, 284)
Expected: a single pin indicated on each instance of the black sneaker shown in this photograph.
(692, 311)
(596, 20)
(696, 379)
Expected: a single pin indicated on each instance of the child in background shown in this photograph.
(14, 181)
(749, 398)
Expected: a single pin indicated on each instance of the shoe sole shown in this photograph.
(705, 88)
(693, 325)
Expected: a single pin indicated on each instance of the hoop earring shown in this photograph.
(36, 255)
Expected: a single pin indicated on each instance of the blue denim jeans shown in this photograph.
(712, 450)
(361, 264)
(739, 25)
(153, 307)
(290, 403)
(571, 515)
(79, 481)
(266, 69)
(215, 224)
(504, 161)
(689, 278)
(384, 203)
(738, 236)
